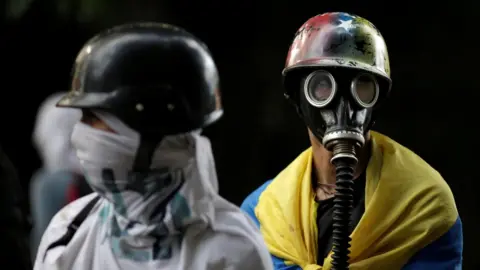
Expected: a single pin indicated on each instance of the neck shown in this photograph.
(169, 197)
(324, 170)
(144, 197)
(145, 202)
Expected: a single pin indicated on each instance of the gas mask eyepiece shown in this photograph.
(320, 88)
(365, 90)
(340, 110)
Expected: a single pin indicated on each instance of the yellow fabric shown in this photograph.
(407, 206)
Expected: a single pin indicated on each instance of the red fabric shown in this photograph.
(72, 193)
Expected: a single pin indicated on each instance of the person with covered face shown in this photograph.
(146, 90)
(399, 211)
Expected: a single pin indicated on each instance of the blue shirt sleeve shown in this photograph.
(445, 253)
(248, 206)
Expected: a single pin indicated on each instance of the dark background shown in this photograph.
(432, 110)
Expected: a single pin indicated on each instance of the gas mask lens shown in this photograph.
(320, 88)
(365, 90)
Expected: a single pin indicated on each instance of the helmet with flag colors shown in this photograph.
(336, 39)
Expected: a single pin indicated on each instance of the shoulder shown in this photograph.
(237, 243)
(422, 195)
(405, 159)
(251, 201)
(409, 172)
(232, 241)
(443, 253)
(60, 222)
(65, 216)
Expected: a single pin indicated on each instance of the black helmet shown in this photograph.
(157, 78)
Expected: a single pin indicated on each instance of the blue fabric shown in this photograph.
(445, 253)
(248, 206)
(48, 195)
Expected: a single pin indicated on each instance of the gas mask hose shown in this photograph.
(344, 159)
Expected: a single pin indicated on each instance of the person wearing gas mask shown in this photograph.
(146, 90)
(353, 186)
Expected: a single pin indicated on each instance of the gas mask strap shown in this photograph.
(143, 158)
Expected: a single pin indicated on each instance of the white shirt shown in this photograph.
(216, 235)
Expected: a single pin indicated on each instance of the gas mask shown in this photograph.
(337, 104)
(342, 64)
